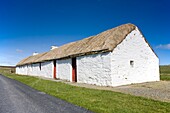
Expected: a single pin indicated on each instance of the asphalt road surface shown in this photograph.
(16, 97)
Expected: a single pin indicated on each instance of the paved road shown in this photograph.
(16, 97)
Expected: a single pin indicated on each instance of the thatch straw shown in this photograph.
(31, 59)
(103, 42)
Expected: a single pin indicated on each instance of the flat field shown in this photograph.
(165, 73)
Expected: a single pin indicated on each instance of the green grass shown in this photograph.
(95, 100)
(165, 73)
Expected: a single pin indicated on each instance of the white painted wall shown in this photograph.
(34, 69)
(17, 70)
(64, 69)
(21, 70)
(47, 69)
(29, 70)
(146, 63)
(94, 69)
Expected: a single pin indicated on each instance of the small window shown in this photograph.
(132, 63)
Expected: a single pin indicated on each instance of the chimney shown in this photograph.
(53, 47)
(35, 53)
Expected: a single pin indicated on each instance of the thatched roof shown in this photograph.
(103, 42)
(31, 59)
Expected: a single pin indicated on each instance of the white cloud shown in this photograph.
(19, 50)
(164, 46)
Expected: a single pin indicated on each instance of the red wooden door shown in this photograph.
(54, 76)
(74, 70)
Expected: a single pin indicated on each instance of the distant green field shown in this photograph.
(7, 69)
(165, 72)
(165, 69)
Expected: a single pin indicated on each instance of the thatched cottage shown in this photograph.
(114, 57)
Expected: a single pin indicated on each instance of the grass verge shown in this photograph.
(165, 77)
(95, 100)
(165, 73)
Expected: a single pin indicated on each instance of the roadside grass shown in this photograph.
(165, 73)
(99, 101)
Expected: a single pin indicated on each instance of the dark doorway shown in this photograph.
(74, 70)
(54, 62)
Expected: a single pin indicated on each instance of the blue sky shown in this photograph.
(28, 26)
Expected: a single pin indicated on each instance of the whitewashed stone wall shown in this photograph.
(95, 69)
(146, 64)
(29, 72)
(34, 69)
(17, 70)
(21, 70)
(64, 69)
(47, 69)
